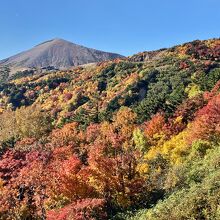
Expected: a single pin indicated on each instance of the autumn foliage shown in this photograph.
(105, 141)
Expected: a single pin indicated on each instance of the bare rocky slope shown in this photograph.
(58, 53)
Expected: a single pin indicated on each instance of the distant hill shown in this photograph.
(58, 53)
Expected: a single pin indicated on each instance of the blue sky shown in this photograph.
(122, 26)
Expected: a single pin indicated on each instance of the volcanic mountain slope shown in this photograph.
(58, 53)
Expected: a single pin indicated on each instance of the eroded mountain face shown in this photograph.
(58, 53)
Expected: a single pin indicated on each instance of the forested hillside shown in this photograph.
(132, 138)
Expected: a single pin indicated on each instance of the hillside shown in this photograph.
(58, 53)
(129, 138)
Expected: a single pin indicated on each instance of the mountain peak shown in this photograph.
(54, 40)
(58, 53)
(59, 40)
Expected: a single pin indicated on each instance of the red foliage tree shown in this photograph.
(90, 209)
(207, 121)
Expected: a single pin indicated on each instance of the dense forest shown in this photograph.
(127, 139)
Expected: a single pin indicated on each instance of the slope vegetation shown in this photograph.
(132, 138)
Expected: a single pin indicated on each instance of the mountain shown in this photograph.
(58, 53)
(133, 138)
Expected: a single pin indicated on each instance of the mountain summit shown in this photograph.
(58, 53)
